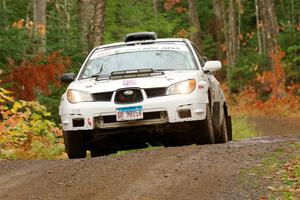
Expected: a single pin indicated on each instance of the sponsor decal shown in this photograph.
(129, 82)
(89, 122)
(107, 52)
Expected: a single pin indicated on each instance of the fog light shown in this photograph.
(78, 122)
(184, 113)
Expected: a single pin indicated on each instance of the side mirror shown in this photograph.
(67, 78)
(212, 66)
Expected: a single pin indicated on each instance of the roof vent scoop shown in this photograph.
(140, 36)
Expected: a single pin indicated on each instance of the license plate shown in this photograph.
(129, 113)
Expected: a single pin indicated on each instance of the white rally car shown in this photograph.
(143, 90)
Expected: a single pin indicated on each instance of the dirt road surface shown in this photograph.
(188, 172)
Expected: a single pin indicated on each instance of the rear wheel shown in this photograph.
(229, 127)
(74, 144)
(224, 131)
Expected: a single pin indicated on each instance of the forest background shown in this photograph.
(257, 42)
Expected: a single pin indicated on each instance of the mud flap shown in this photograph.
(229, 127)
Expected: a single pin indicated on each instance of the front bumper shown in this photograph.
(160, 110)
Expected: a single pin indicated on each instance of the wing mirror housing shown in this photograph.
(212, 66)
(67, 78)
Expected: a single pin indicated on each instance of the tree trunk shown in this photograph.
(258, 27)
(239, 29)
(269, 26)
(232, 33)
(34, 18)
(39, 18)
(85, 9)
(155, 7)
(273, 53)
(195, 25)
(293, 18)
(226, 26)
(98, 20)
(219, 25)
(3, 5)
(67, 5)
(91, 20)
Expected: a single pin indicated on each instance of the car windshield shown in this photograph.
(157, 57)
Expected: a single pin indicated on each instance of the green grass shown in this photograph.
(278, 173)
(149, 148)
(242, 129)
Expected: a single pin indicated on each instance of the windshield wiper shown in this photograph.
(160, 70)
(98, 75)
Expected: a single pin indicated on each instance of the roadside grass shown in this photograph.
(277, 176)
(241, 128)
(37, 151)
(149, 148)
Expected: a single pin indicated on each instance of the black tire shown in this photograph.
(100, 152)
(74, 144)
(229, 127)
(206, 134)
(224, 131)
(103, 147)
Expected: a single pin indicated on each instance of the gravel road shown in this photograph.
(188, 172)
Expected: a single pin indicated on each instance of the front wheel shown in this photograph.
(206, 132)
(74, 144)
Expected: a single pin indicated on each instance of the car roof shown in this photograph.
(143, 42)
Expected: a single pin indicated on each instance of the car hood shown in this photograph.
(170, 77)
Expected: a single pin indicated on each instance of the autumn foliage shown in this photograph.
(26, 130)
(36, 75)
(269, 93)
(169, 4)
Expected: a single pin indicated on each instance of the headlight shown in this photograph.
(76, 96)
(184, 87)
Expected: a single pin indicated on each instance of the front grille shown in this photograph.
(127, 96)
(155, 92)
(103, 96)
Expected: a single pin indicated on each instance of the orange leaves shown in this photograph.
(269, 94)
(278, 79)
(182, 33)
(298, 27)
(181, 9)
(169, 4)
(273, 82)
(291, 177)
(19, 24)
(250, 35)
(29, 25)
(41, 29)
(223, 47)
(35, 75)
(249, 102)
